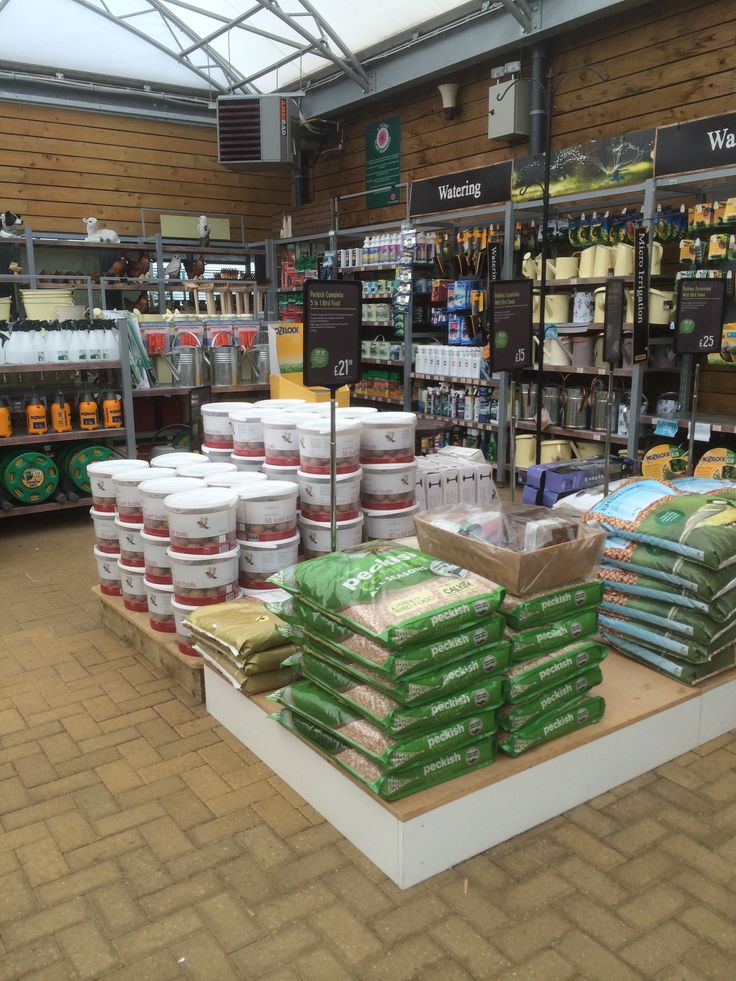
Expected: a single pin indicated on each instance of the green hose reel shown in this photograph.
(29, 477)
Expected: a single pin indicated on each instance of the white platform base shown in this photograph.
(414, 839)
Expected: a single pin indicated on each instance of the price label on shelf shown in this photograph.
(511, 325)
(699, 320)
(332, 314)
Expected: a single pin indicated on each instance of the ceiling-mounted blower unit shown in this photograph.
(256, 129)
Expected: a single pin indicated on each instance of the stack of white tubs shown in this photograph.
(117, 542)
(388, 487)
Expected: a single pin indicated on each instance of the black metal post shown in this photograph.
(549, 97)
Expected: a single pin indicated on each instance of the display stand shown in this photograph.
(649, 720)
(158, 647)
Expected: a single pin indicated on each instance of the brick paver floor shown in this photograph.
(139, 840)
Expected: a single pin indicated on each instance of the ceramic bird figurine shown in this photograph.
(15, 268)
(139, 270)
(173, 268)
(141, 304)
(195, 268)
(203, 229)
(119, 268)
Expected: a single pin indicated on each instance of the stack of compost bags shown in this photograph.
(669, 572)
(555, 663)
(241, 639)
(402, 656)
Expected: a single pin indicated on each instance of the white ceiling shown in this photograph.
(159, 41)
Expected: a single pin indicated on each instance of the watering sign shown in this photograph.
(332, 313)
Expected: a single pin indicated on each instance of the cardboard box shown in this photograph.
(520, 572)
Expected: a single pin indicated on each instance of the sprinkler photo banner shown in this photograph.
(511, 325)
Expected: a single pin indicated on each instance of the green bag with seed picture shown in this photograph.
(560, 722)
(672, 667)
(674, 570)
(537, 640)
(720, 608)
(683, 621)
(391, 784)
(526, 678)
(669, 641)
(522, 612)
(514, 715)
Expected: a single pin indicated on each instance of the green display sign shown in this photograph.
(383, 162)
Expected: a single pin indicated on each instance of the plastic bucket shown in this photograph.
(183, 633)
(127, 494)
(236, 479)
(252, 464)
(217, 456)
(388, 486)
(314, 446)
(202, 521)
(201, 580)
(131, 544)
(157, 565)
(153, 493)
(387, 525)
(281, 439)
(108, 573)
(267, 511)
(248, 431)
(216, 424)
(317, 536)
(134, 592)
(174, 460)
(106, 532)
(258, 561)
(101, 481)
(314, 494)
(388, 437)
(160, 611)
(203, 470)
(273, 405)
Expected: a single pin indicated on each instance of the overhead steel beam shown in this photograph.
(227, 26)
(482, 36)
(325, 26)
(518, 14)
(307, 49)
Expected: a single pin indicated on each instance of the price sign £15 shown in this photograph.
(332, 314)
(699, 320)
(511, 325)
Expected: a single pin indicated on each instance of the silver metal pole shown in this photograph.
(693, 417)
(609, 413)
(333, 472)
(512, 441)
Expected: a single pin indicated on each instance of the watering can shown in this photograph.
(257, 358)
(187, 362)
(225, 361)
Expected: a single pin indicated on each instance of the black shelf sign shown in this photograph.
(511, 325)
(495, 260)
(641, 293)
(332, 315)
(613, 321)
(464, 189)
(703, 144)
(699, 320)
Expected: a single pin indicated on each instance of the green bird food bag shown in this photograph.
(683, 671)
(537, 640)
(392, 784)
(720, 609)
(661, 614)
(559, 722)
(395, 595)
(515, 715)
(674, 570)
(668, 641)
(526, 678)
(522, 612)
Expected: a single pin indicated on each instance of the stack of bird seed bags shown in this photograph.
(403, 658)
(242, 640)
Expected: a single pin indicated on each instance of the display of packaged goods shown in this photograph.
(526, 678)
(565, 719)
(262, 673)
(531, 642)
(654, 592)
(569, 476)
(515, 715)
(683, 671)
(537, 609)
(657, 563)
(669, 641)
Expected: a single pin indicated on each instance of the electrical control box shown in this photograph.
(508, 110)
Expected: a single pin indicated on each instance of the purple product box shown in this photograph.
(568, 476)
(530, 495)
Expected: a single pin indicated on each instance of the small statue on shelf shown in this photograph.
(203, 230)
(172, 269)
(9, 223)
(96, 233)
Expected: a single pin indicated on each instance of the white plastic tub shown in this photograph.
(157, 565)
(317, 536)
(387, 525)
(108, 573)
(281, 439)
(128, 495)
(267, 511)
(101, 474)
(236, 479)
(160, 611)
(388, 486)
(274, 405)
(202, 521)
(153, 493)
(251, 464)
(174, 460)
(259, 561)
(204, 470)
(216, 424)
(201, 580)
(314, 494)
(106, 532)
(247, 430)
(134, 592)
(388, 437)
(217, 456)
(356, 412)
(183, 633)
(131, 544)
(314, 445)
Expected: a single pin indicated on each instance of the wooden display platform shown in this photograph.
(649, 720)
(156, 646)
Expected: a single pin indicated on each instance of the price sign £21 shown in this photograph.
(332, 316)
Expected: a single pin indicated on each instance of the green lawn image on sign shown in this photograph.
(502, 339)
(687, 326)
(320, 357)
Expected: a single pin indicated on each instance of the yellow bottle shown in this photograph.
(6, 425)
(112, 411)
(36, 423)
(88, 412)
(61, 415)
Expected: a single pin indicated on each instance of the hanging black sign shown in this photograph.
(465, 189)
(699, 320)
(494, 262)
(511, 325)
(700, 145)
(613, 320)
(332, 315)
(641, 293)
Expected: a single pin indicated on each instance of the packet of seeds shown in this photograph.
(393, 594)
(528, 677)
(318, 706)
(537, 640)
(688, 674)
(391, 663)
(559, 722)
(669, 641)
(514, 715)
(385, 709)
(674, 570)
(688, 622)
(391, 784)
(522, 612)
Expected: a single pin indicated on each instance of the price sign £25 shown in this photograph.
(699, 320)
(332, 314)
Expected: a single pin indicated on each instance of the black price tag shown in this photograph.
(511, 325)
(641, 293)
(613, 319)
(699, 320)
(494, 262)
(332, 315)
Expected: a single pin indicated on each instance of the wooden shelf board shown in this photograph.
(49, 506)
(49, 366)
(84, 434)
